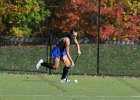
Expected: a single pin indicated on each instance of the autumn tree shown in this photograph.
(119, 18)
(125, 16)
(18, 17)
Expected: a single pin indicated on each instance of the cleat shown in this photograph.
(64, 80)
(39, 63)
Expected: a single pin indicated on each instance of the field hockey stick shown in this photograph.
(73, 66)
(76, 59)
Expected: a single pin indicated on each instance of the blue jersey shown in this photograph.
(61, 45)
(59, 50)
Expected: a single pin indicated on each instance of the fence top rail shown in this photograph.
(90, 41)
(56, 40)
(23, 39)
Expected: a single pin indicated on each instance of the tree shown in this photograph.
(18, 17)
(119, 19)
(75, 13)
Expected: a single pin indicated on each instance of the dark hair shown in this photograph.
(73, 30)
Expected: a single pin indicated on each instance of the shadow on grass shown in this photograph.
(53, 84)
(126, 83)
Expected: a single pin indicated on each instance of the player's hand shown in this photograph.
(79, 52)
(72, 64)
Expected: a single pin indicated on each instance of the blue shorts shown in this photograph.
(56, 53)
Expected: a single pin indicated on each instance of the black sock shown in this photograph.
(48, 65)
(65, 71)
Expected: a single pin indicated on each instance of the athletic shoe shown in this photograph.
(39, 63)
(64, 80)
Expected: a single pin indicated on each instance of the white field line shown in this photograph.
(69, 96)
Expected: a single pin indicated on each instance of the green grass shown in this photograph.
(47, 87)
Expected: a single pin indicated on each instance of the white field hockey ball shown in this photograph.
(75, 81)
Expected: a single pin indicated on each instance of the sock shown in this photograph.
(48, 65)
(65, 71)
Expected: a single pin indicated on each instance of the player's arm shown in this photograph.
(67, 42)
(78, 46)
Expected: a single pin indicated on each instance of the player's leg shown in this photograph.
(55, 55)
(54, 66)
(67, 63)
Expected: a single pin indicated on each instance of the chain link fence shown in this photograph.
(22, 54)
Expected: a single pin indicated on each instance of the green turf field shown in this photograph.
(47, 87)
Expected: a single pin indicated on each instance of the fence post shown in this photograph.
(47, 52)
(50, 61)
(98, 41)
